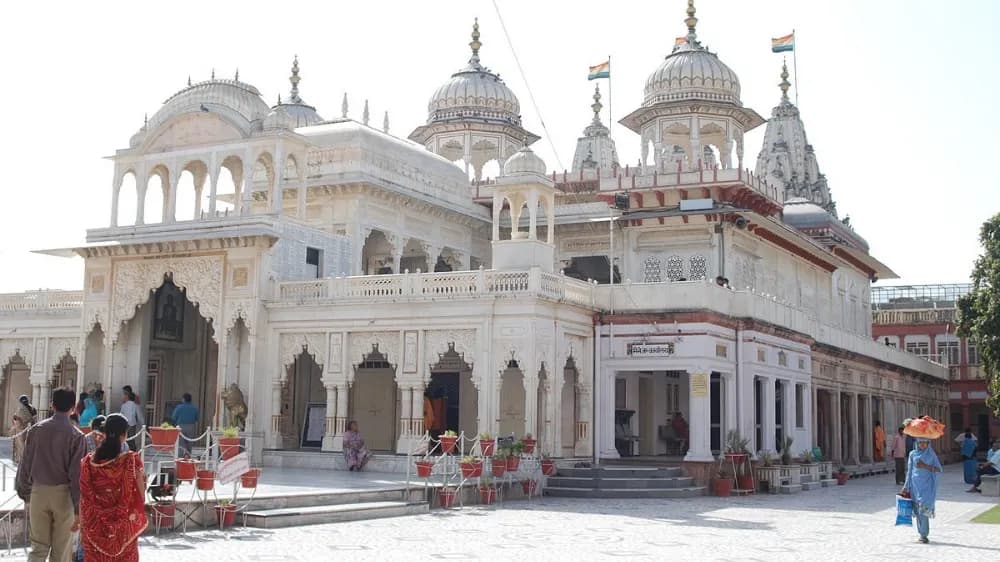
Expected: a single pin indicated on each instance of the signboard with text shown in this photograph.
(231, 469)
(650, 349)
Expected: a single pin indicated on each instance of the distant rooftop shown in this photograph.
(912, 297)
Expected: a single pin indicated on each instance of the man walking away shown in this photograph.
(48, 480)
(132, 411)
(899, 451)
(185, 416)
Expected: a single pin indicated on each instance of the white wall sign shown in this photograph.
(650, 349)
(231, 469)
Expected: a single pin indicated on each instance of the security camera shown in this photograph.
(741, 223)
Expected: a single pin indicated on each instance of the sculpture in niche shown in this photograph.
(232, 397)
(168, 322)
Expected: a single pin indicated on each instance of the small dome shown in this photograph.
(524, 161)
(692, 72)
(231, 96)
(291, 116)
(801, 212)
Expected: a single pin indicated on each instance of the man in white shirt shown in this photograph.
(991, 467)
(132, 412)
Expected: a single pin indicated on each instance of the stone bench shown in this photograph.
(991, 485)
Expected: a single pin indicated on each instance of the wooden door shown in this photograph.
(374, 408)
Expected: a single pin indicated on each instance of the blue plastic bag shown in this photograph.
(904, 511)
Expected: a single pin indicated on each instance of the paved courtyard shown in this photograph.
(847, 523)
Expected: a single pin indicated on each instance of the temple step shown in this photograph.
(315, 515)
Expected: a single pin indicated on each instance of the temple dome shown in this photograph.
(524, 161)
(230, 97)
(692, 72)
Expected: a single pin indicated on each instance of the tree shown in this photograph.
(979, 311)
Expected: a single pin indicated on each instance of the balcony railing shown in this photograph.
(924, 316)
(430, 285)
(41, 300)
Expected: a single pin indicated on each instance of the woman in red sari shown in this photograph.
(112, 498)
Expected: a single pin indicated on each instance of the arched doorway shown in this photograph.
(375, 400)
(16, 381)
(570, 408)
(452, 395)
(64, 372)
(307, 393)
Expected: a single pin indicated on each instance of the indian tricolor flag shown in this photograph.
(602, 70)
(680, 41)
(782, 44)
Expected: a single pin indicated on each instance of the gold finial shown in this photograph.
(294, 79)
(784, 85)
(596, 106)
(691, 22)
(475, 44)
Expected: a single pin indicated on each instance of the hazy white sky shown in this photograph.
(899, 97)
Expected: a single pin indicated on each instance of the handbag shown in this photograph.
(904, 510)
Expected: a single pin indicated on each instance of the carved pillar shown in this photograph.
(277, 421)
(730, 408)
(604, 425)
(582, 424)
(341, 420)
(302, 192)
(170, 197)
(142, 183)
(853, 425)
(405, 411)
(329, 436)
(837, 449)
(213, 189)
(432, 252)
(530, 404)
(867, 429)
(533, 215)
(550, 226)
(116, 187)
(694, 141)
(277, 192)
(768, 429)
(417, 410)
(246, 189)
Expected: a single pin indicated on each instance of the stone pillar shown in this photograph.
(533, 216)
(405, 412)
(530, 404)
(116, 187)
(867, 429)
(213, 190)
(731, 420)
(340, 422)
(417, 411)
(837, 450)
(245, 192)
(767, 420)
(301, 193)
(583, 428)
(170, 197)
(331, 417)
(855, 453)
(497, 207)
(604, 425)
(277, 438)
(699, 407)
(278, 189)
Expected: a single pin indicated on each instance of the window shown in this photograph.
(802, 363)
(948, 353)
(782, 359)
(920, 348)
(761, 355)
(699, 267)
(675, 268)
(651, 272)
(972, 352)
(312, 262)
(800, 415)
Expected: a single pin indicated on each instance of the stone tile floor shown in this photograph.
(854, 522)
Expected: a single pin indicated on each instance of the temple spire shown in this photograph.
(365, 114)
(189, 79)
(385, 123)
(784, 84)
(596, 106)
(294, 79)
(475, 43)
(343, 107)
(691, 22)
(237, 76)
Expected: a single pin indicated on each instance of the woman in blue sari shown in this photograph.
(968, 450)
(922, 471)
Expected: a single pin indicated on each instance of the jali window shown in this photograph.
(699, 267)
(675, 268)
(651, 270)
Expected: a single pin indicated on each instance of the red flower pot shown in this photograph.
(738, 458)
(529, 445)
(186, 469)
(722, 487)
(487, 495)
(249, 478)
(448, 443)
(471, 469)
(842, 478)
(499, 467)
(529, 487)
(487, 446)
(205, 480)
(229, 447)
(513, 463)
(548, 467)
(424, 468)
(746, 482)
(163, 514)
(447, 496)
(164, 438)
(225, 515)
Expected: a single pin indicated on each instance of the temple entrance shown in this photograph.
(64, 372)
(451, 396)
(16, 381)
(168, 351)
(304, 408)
(375, 401)
(651, 413)
(570, 408)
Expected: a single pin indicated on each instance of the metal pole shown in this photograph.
(611, 121)
(795, 67)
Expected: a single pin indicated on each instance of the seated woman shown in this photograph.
(355, 452)
(112, 498)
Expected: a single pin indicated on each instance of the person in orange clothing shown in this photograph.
(428, 412)
(879, 442)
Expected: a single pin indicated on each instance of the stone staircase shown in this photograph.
(290, 511)
(622, 482)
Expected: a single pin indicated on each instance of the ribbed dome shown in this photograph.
(524, 161)
(801, 212)
(290, 116)
(692, 72)
(232, 95)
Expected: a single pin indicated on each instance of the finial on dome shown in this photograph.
(475, 44)
(596, 106)
(385, 123)
(294, 79)
(145, 120)
(237, 76)
(343, 107)
(279, 98)
(364, 114)
(691, 22)
(784, 85)
(189, 79)
(213, 74)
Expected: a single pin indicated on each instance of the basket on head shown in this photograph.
(925, 427)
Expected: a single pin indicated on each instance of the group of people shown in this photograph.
(974, 472)
(92, 485)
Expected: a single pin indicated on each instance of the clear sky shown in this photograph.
(899, 97)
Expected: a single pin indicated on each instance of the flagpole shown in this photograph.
(611, 122)
(795, 67)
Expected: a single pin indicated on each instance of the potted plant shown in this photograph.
(424, 468)
(722, 486)
(487, 444)
(229, 443)
(164, 437)
(514, 456)
(205, 480)
(448, 440)
(766, 470)
(471, 467)
(225, 513)
(807, 457)
(163, 508)
(487, 491)
(529, 487)
(736, 448)
(499, 465)
(786, 450)
(548, 466)
(185, 469)
(249, 479)
(528, 444)
(446, 496)
(841, 475)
